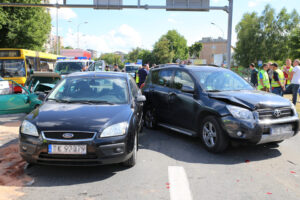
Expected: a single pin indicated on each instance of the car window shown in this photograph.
(155, 77)
(165, 77)
(112, 90)
(181, 79)
(134, 89)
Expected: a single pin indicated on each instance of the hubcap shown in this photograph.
(209, 134)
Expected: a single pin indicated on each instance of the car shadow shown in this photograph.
(48, 176)
(191, 150)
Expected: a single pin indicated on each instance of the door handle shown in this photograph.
(171, 96)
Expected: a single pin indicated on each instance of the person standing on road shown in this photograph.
(254, 73)
(107, 68)
(263, 79)
(116, 68)
(278, 81)
(270, 72)
(295, 81)
(287, 70)
(142, 75)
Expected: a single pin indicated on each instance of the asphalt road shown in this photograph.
(174, 166)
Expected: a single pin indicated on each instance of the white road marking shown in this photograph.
(179, 184)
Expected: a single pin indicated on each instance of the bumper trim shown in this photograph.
(279, 121)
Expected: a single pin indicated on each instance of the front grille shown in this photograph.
(76, 135)
(68, 157)
(269, 113)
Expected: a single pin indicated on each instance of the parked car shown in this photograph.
(216, 105)
(89, 118)
(15, 98)
(46, 81)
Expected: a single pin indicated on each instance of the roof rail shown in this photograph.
(181, 65)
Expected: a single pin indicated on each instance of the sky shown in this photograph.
(121, 30)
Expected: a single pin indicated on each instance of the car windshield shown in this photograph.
(68, 67)
(131, 69)
(91, 90)
(12, 68)
(214, 81)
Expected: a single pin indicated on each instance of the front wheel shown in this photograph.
(212, 135)
(132, 160)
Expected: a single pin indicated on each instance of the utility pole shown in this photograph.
(57, 42)
(230, 10)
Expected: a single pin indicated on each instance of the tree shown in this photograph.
(162, 51)
(111, 59)
(173, 45)
(294, 43)
(264, 37)
(133, 55)
(24, 27)
(195, 49)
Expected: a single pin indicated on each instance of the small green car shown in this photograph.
(15, 98)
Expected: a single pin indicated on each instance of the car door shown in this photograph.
(12, 102)
(161, 94)
(182, 104)
(138, 107)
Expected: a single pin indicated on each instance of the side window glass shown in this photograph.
(165, 77)
(133, 87)
(183, 79)
(155, 77)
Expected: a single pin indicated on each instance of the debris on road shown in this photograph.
(12, 167)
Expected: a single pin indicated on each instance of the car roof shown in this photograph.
(61, 61)
(204, 67)
(99, 74)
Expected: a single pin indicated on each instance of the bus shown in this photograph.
(16, 64)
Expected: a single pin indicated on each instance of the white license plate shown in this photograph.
(66, 149)
(281, 129)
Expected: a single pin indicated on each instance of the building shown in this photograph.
(75, 53)
(214, 50)
(94, 53)
(120, 53)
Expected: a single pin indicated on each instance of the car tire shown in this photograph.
(212, 135)
(132, 160)
(150, 119)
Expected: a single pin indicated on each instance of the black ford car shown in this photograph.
(89, 118)
(216, 105)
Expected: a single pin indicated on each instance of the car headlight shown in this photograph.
(115, 130)
(294, 109)
(29, 129)
(240, 113)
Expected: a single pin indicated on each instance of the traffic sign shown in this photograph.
(187, 5)
(109, 4)
(260, 63)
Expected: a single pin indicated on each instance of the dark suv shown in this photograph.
(216, 105)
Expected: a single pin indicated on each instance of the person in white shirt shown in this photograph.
(295, 81)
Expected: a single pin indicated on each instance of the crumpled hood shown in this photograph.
(252, 99)
(80, 117)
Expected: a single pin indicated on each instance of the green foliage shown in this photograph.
(24, 27)
(195, 49)
(294, 43)
(264, 37)
(111, 59)
(170, 47)
(162, 51)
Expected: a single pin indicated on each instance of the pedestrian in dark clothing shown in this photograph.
(270, 72)
(142, 75)
(116, 68)
(254, 73)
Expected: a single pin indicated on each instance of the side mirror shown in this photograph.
(26, 99)
(141, 98)
(188, 89)
(42, 96)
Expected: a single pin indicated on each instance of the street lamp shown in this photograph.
(219, 28)
(78, 33)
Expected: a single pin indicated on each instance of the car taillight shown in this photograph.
(17, 89)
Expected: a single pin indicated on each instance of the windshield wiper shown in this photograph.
(213, 91)
(93, 102)
(61, 101)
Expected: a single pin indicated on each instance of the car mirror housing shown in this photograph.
(187, 89)
(141, 98)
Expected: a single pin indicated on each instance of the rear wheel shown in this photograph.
(132, 160)
(150, 119)
(213, 136)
